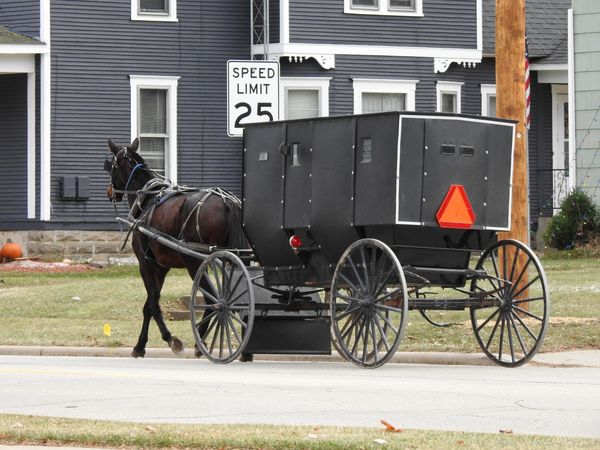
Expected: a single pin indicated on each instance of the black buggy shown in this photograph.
(356, 220)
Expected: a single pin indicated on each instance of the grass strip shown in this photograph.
(33, 430)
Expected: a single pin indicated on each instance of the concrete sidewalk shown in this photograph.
(580, 358)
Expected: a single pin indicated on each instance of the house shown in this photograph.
(585, 89)
(157, 69)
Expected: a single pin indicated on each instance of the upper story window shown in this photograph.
(448, 96)
(385, 7)
(372, 96)
(304, 97)
(488, 100)
(154, 121)
(154, 10)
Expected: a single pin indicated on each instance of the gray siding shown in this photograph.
(22, 16)
(444, 24)
(95, 47)
(274, 28)
(13, 151)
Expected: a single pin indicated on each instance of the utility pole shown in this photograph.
(510, 104)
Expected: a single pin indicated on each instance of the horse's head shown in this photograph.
(123, 163)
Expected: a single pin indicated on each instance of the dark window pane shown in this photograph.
(154, 6)
(402, 4)
(448, 103)
(365, 3)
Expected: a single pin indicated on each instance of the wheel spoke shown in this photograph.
(516, 294)
(348, 298)
(346, 312)
(522, 273)
(216, 277)
(355, 270)
(243, 324)
(383, 336)
(347, 280)
(227, 334)
(516, 316)
(510, 341)
(527, 300)
(358, 336)
(206, 319)
(389, 294)
(390, 308)
(518, 334)
(374, 336)
(215, 334)
(527, 313)
(501, 338)
(488, 319)
(515, 263)
(235, 331)
(205, 293)
(388, 323)
(221, 331)
(364, 267)
(237, 297)
(384, 283)
(353, 324)
(237, 283)
(489, 341)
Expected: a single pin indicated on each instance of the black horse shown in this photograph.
(210, 217)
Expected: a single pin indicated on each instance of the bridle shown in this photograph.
(112, 167)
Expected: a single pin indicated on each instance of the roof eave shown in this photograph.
(23, 49)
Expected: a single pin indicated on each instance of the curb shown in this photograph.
(442, 358)
(556, 360)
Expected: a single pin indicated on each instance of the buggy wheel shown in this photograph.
(511, 320)
(369, 303)
(222, 307)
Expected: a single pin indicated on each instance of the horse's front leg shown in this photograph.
(139, 351)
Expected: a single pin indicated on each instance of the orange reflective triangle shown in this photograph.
(456, 210)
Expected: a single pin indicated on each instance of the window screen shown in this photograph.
(365, 3)
(402, 4)
(154, 6)
(302, 103)
(153, 126)
(380, 102)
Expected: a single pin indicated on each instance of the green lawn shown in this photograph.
(71, 309)
(61, 432)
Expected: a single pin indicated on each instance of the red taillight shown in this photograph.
(295, 242)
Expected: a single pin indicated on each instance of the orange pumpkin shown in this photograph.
(11, 250)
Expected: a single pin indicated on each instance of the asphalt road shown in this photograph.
(528, 400)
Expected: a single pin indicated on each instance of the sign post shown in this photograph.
(252, 94)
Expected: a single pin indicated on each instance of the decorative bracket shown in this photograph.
(327, 62)
(440, 65)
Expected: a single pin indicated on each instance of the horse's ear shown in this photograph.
(113, 147)
(134, 145)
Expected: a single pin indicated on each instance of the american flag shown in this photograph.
(527, 87)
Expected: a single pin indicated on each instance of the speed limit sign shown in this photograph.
(252, 93)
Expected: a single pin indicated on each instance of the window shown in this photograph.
(488, 100)
(154, 121)
(304, 97)
(154, 10)
(383, 95)
(448, 96)
(385, 7)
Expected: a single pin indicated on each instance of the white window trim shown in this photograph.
(487, 90)
(449, 87)
(320, 84)
(384, 9)
(408, 87)
(138, 82)
(170, 17)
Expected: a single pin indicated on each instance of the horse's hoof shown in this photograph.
(176, 345)
(138, 353)
(246, 357)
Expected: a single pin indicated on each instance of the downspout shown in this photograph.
(571, 86)
(45, 100)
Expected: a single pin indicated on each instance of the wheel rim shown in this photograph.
(368, 303)
(511, 325)
(222, 307)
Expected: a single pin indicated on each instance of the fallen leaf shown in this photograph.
(390, 427)
(380, 441)
(461, 442)
(150, 429)
(506, 431)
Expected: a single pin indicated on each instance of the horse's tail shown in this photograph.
(236, 237)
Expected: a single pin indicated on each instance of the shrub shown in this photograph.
(577, 222)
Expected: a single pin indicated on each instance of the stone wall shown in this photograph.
(73, 244)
